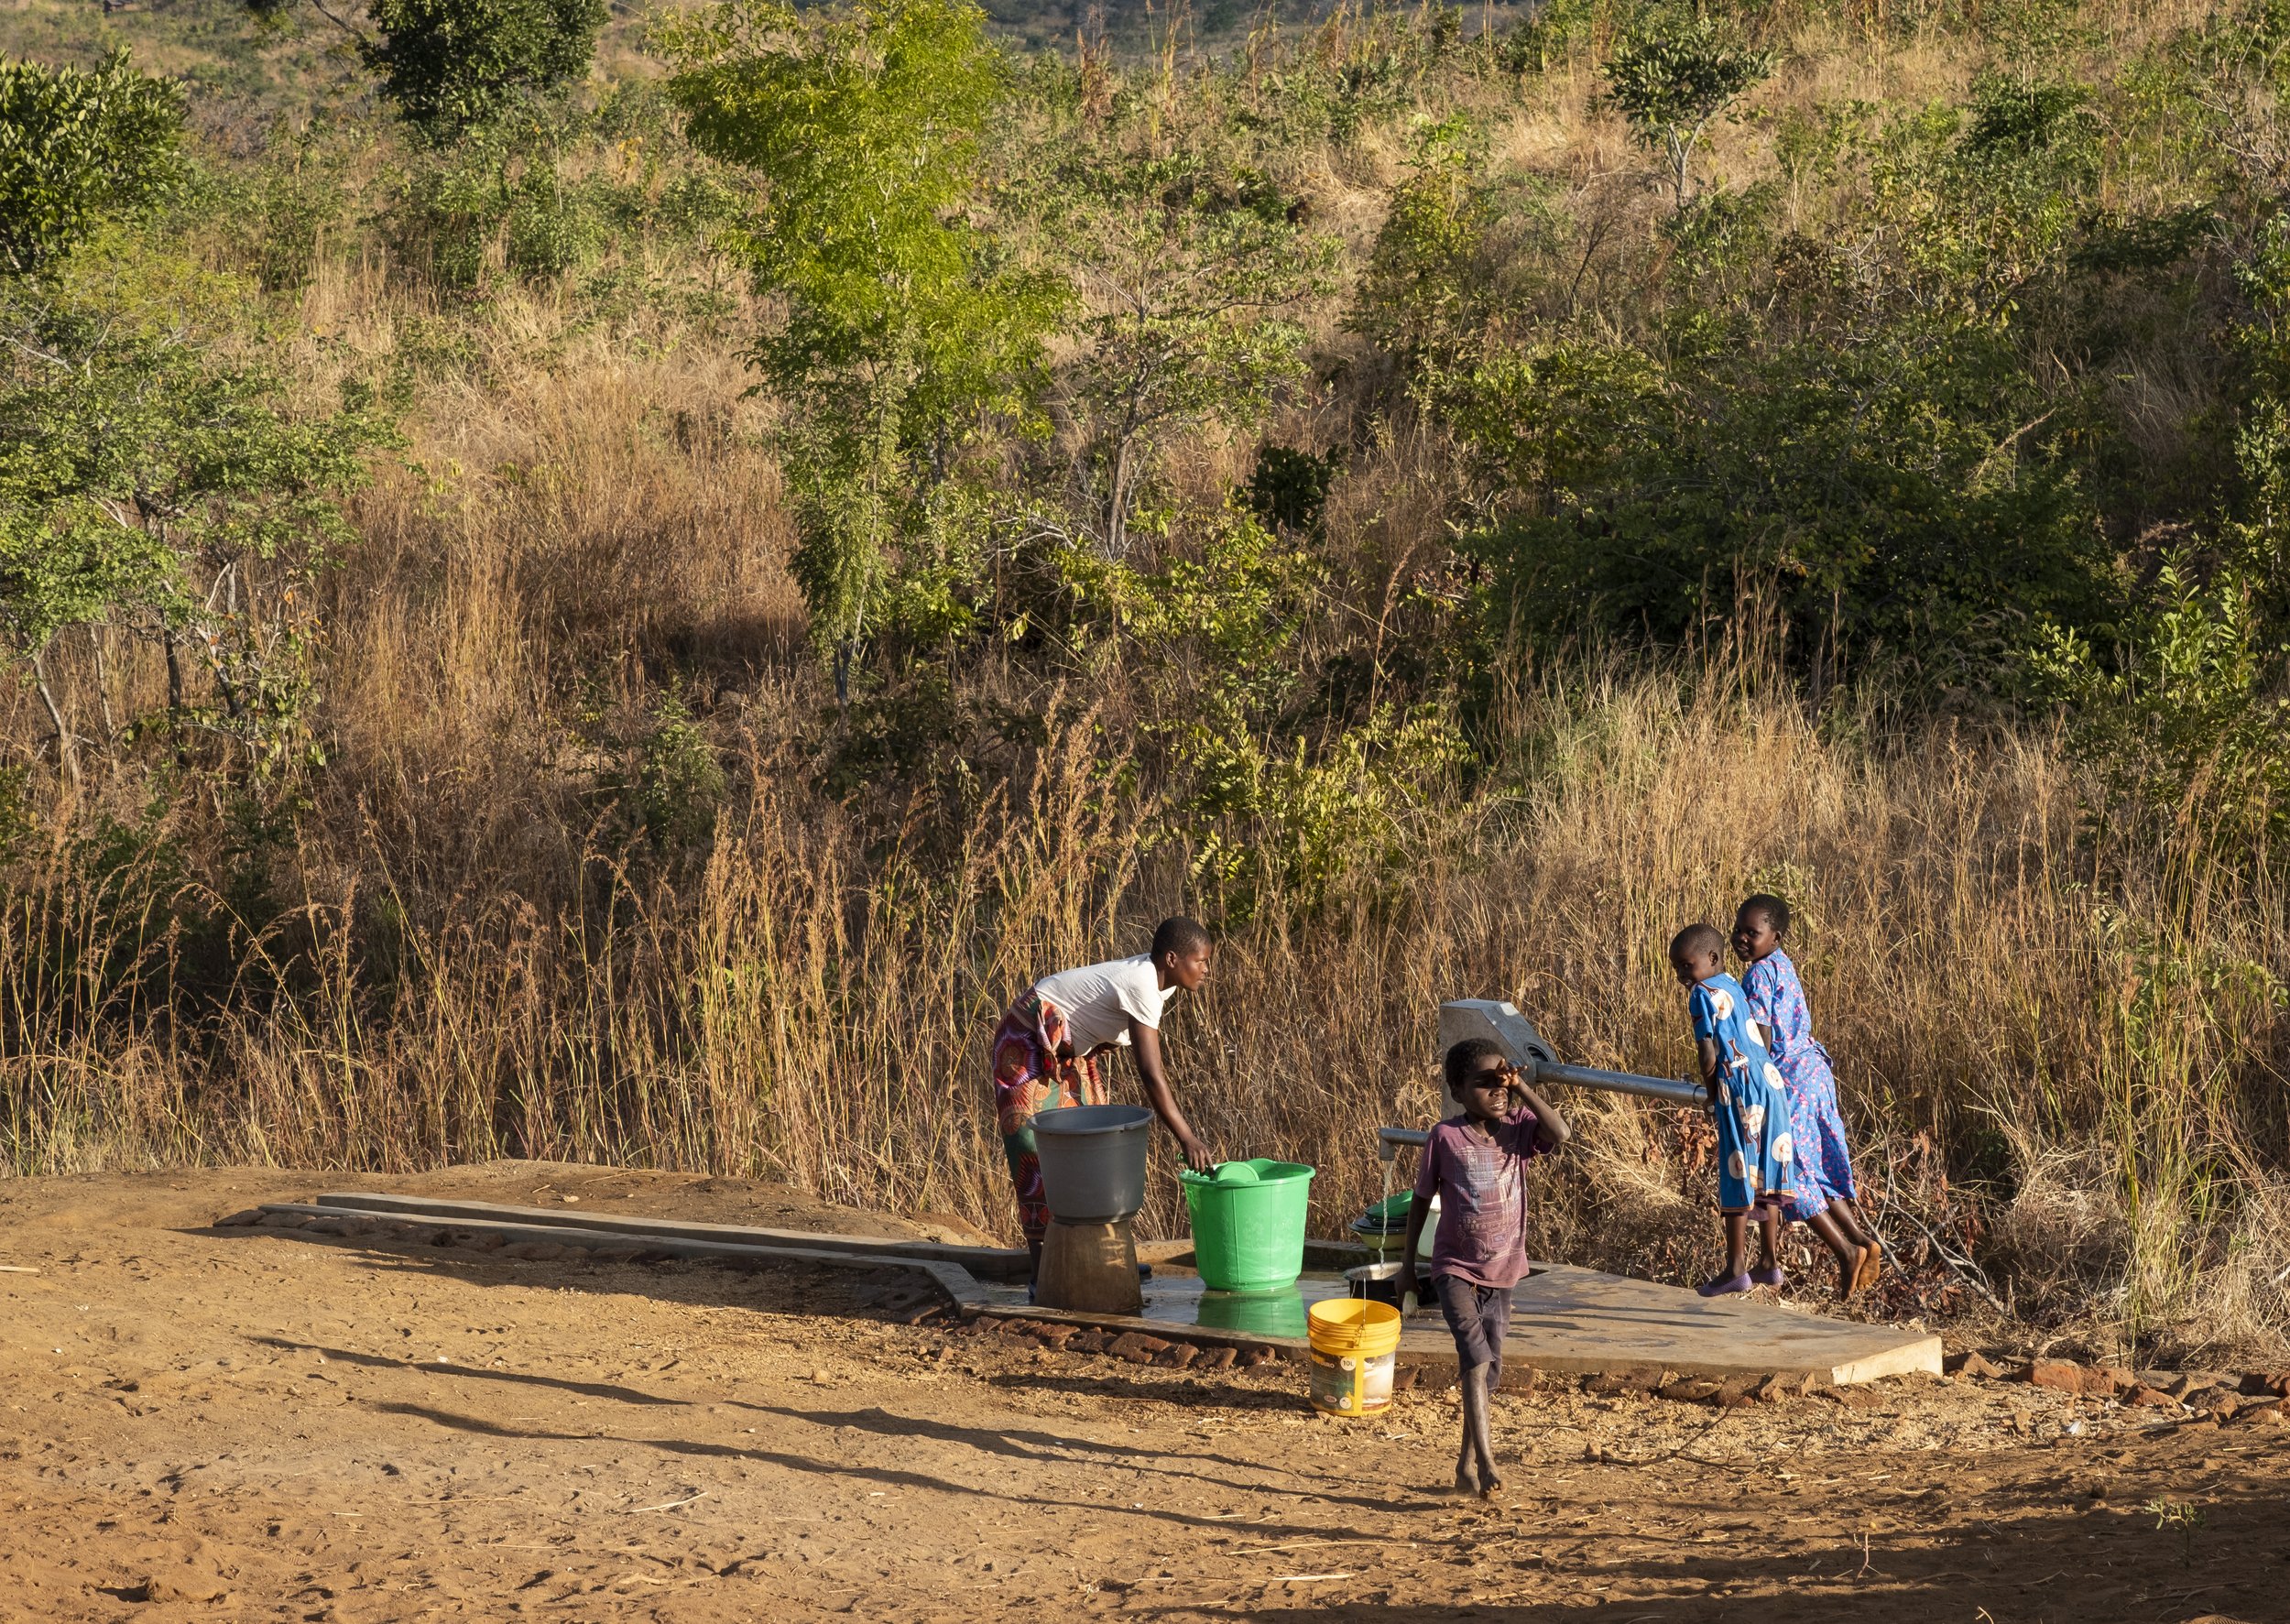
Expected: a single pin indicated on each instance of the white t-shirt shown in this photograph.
(1099, 1000)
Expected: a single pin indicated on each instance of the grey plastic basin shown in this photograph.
(1092, 1161)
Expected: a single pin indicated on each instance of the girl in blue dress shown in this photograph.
(1755, 1171)
(1826, 1195)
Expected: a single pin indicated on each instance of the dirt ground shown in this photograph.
(235, 1424)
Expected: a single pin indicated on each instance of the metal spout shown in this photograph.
(1674, 1090)
(1389, 1140)
(1516, 1036)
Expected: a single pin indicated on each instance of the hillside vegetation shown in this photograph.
(619, 602)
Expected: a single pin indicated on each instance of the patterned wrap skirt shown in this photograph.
(1824, 1163)
(1029, 1077)
(1756, 1153)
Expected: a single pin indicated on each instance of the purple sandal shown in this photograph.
(1767, 1277)
(1724, 1288)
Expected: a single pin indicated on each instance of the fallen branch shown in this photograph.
(1969, 1272)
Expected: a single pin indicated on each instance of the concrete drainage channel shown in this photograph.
(529, 1234)
(950, 1273)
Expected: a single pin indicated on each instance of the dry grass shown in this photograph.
(586, 515)
(807, 1009)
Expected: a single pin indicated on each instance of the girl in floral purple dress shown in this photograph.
(1824, 1201)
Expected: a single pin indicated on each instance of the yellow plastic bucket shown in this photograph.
(1353, 1345)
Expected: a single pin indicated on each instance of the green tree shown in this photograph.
(1673, 82)
(75, 144)
(2258, 536)
(2185, 724)
(1425, 282)
(151, 490)
(902, 325)
(1189, 273)
(451, 64)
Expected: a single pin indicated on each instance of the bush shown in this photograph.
(453, 64)
(2184, 726)
(76, 145)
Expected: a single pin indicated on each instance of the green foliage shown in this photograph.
(902, 324)
(2018, 120)
(550, 232)
(1672, 80)
(447, 215)
(660, 779)
(154, 489)
(1271, 821)
(1881, 496)
(1188, 271)
(1546, 35)
(934, 599)
(294, 199)
(453, 64)
(2186, 727)
(1426, 284)
(1289, 487)
(17, 818)
(2257, 537)
(76, 145)
(678, 781)
(499, 196)
(2181, 710)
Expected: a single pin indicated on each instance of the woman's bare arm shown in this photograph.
(1146, 1041)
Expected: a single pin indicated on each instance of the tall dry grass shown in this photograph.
(2063, 1061)
(804, 1009)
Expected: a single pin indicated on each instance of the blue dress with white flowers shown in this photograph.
(1755, 1155)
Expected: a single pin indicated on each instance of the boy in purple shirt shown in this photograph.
(1476, 1165)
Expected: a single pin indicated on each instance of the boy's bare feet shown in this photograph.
(1468, 1477)
(1490, 1488)
(1870, 1266)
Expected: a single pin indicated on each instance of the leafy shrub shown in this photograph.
(1673, 80)
(678, 781)
(152, 485)
(300, 198)
(2184, 727)
(549, 229)
(446, 218)
(1862, 489)
(1187, 270)
(1289, 487)
(75, 144)
(451, 64)
(902, 324)
(1425, 289)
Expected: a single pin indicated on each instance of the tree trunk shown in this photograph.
(66, 753)
(1118, 507)
(95, 634)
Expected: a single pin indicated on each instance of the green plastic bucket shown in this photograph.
(1249, 1234)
